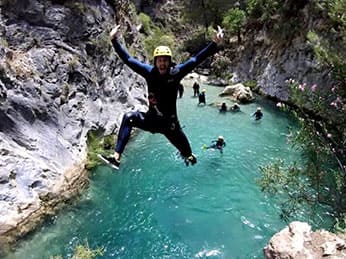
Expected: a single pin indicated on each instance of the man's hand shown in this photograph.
(219, 35)
(115, 32)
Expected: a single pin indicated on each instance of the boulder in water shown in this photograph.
(238, 92)
(190, 78)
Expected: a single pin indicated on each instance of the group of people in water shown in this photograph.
(258, 114)
(163, 82)
(197, 93)
(235, 107)
(223, 107)
(220, 143)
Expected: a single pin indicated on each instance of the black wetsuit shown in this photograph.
(223, 108)
(163, 89)
(218, 144)
(201, 98)
(195, 89)
(258, 115)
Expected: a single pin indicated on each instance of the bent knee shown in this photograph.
(129, 117)
(133, 118)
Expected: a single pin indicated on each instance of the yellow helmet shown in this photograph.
(162, 51)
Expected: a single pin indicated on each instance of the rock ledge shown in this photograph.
(297, 240)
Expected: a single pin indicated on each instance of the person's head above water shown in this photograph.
(162, 58)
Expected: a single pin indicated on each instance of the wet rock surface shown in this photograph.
(59, 79)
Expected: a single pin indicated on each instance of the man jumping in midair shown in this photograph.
(163, 79)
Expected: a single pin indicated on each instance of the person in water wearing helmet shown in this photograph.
(218, 144)
(258, 114)
(235, 107)
(163, 79)
(223, 107)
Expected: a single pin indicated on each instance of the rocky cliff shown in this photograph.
(261, 60)
(59, 79)
(297, 240)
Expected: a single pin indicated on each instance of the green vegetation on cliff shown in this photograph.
(320, 109)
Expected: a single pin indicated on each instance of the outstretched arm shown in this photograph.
(134, 64)
(212, 144)
(197, 59)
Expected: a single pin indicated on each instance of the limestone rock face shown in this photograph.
(238, 92)
(297, 240)
(270, 66)
(59, 79)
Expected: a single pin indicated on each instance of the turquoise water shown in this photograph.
(156, 207)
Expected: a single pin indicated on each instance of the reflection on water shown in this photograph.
(156, 207)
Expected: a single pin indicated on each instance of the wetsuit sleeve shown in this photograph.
(197, 59)
(141, 68)
(212, 144)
